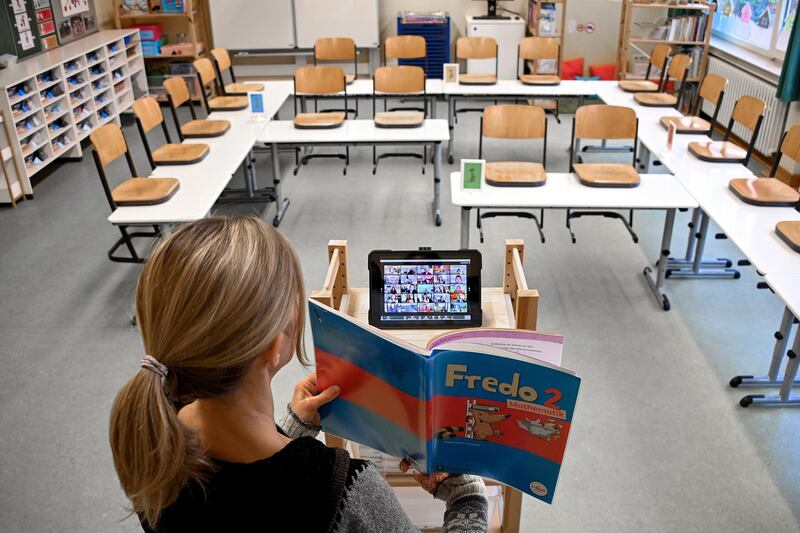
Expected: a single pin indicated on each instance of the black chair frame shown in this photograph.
(385, 97)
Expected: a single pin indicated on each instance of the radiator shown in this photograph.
(741, 83)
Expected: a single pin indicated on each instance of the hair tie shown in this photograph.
(151, 363)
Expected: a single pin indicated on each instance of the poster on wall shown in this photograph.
(73, 7)
(46, 22)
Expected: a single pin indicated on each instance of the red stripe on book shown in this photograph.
(362, 388)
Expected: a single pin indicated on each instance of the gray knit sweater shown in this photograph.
(369, 504)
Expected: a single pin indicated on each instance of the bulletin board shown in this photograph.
(73, 19)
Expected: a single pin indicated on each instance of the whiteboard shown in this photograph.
(357, 19)
(252, 24)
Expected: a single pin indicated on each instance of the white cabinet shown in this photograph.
(507, 33)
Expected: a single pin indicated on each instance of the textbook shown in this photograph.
(489, 402)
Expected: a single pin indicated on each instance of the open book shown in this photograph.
(491, 402)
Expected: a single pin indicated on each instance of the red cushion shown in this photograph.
(605, 72)
(571, 68)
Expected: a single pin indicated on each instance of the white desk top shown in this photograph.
(750, 228)
(787, 287)
(656, 191)
(363, 87)
(353, 131)
(201, 183)
(275, 94)
(517, 88)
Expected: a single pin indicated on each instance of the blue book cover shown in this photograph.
(469, 406)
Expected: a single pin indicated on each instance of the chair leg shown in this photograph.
(127, 240)
(605, 214)
(519, 214)
(374, 160)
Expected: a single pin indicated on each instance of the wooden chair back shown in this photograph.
(335, 49)
(222, 57)
(476, 48)
(177, 90)
(605, 122)
(148, 112)
(319, 80)
(205, 69)
(405, 47)
(403, 79)
(748, 111)
(109, 143)
(535, 48)
(790, 147)
(679, 66)
(712, 88)
(659, 56)
(514, 122)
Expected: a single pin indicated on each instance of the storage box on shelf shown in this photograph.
(180, 22)
(56, 99)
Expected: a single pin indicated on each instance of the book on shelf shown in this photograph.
(490, 402)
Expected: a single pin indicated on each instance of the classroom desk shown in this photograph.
(562, 191)
(508, 90)
(787, 288)
(359, 132)
(364, 88)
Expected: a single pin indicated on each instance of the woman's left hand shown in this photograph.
(307, 400)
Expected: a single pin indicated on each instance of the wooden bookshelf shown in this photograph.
(632, 41)
(535, 13)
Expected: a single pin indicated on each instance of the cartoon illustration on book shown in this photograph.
(547, 430)
(478, 423)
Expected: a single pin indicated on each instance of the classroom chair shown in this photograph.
(208, 81)
(712, 90)
(477, 48)
(177, 96)
(337, 49)
(658, 60)
(397, 82)
(678, 70)
(604, 122)
(148, 116)
(222, 64)
(770, 191)
(749, 113)
(514, 122)
(538, 49)
(406, 47)
(313, 81)
(109, 145)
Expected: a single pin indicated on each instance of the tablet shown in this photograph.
(425, 289)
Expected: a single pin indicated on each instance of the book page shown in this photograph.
(545, 347)
(503, 418)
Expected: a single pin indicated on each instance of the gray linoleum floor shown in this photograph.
(659, 442)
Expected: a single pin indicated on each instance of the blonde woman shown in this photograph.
(221, 310)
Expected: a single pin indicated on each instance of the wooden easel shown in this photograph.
(513, 305)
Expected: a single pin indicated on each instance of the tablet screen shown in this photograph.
(421, 291)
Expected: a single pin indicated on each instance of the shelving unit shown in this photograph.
(52, 100)
(535, 14)
(644, 14)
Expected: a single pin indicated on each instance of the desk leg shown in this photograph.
(644, 159)
(697, 268)
(437, 183)
(691, 243)
(656, 279)
(432, 107)
(465, 227)
(451, 114)
(281, 203)
(785, 396)
(772, 379)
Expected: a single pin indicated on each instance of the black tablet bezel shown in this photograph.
(376, 299)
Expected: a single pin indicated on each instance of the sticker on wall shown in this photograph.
(589, 27)
(580, 27)
(73, 7)
(41, 4)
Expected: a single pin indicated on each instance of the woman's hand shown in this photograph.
(428, 483)
(307, 400)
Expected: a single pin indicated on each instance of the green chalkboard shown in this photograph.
(19, 32)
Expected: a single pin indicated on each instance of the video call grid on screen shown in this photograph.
(424, 288)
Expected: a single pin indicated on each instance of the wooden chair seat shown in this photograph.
(477, 79)
(515, 174)
(197, 129)
(349, 78)
(228, 103)
(319, 120)
(638, 86)
(789, 232)
(767, 192)
(243, 88)
(180, 154)
(686, 124)
(539, 79)
(655, 99)
(400, 119)
(145, 191)
(718, 151)
(607, 175)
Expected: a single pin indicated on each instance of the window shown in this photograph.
(763, 26)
